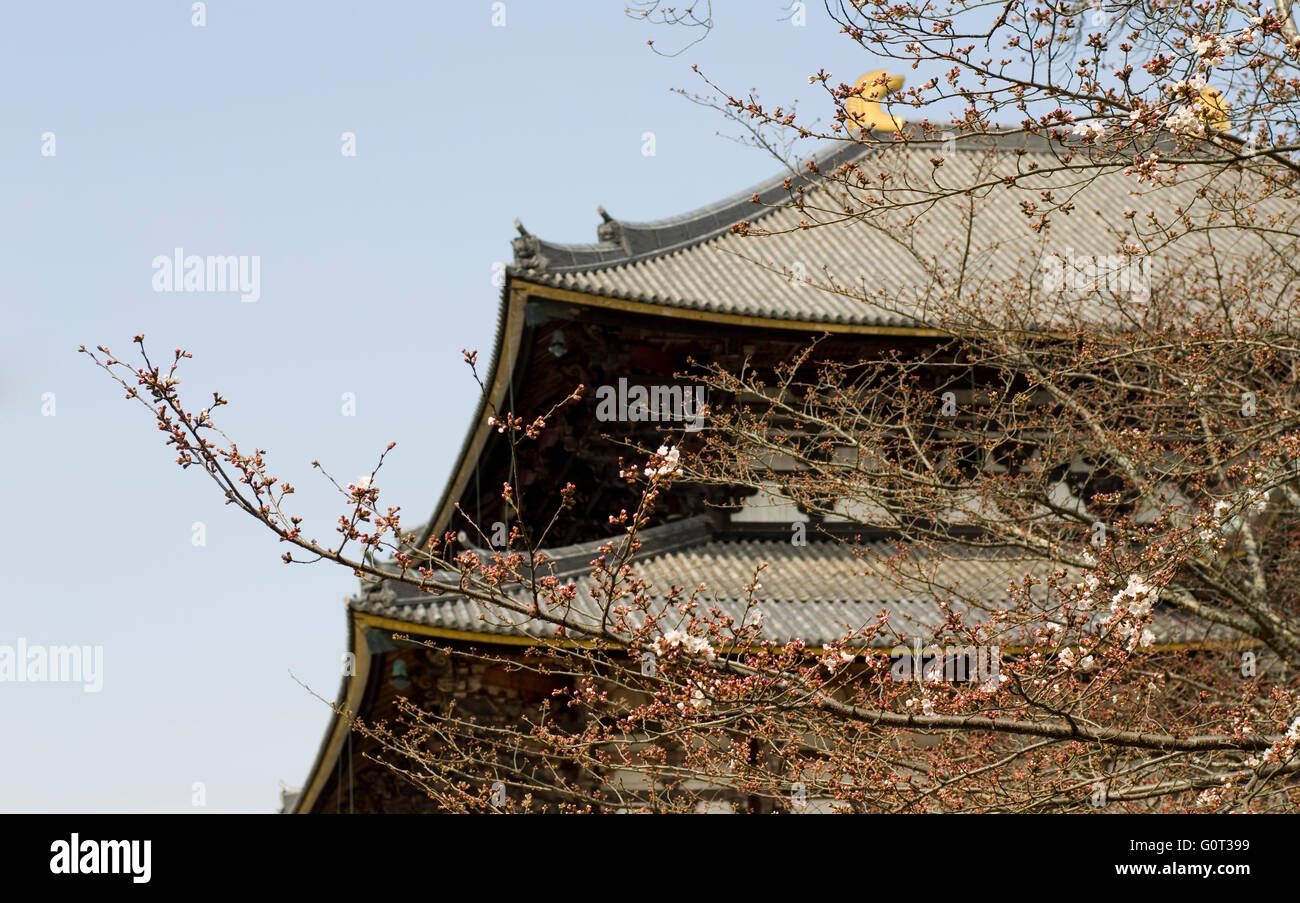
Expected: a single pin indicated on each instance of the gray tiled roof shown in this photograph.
(695, 261)
(814, 592)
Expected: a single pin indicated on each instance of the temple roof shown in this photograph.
(813, 592)
(695, 261)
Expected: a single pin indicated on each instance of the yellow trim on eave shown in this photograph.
(338, 736)
(505, 369)
(396, 625)
(468, 636)
(682, 313)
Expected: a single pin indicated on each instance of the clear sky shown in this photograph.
(375, 269)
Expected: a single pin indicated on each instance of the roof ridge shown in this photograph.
(619, 242)
(627, 241)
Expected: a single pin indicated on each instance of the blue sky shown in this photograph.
(375, 270)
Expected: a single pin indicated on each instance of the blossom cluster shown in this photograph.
(1134, 602)
(680, 641)
(666, 462)
(1252, 503)
(1090, 130)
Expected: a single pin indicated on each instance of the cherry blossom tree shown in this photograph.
(1122, 438)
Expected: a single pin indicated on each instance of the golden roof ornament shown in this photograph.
(862, 110)
(1213, 110)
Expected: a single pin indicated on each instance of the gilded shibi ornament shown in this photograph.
(863, 110)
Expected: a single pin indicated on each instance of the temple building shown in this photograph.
(636, 308)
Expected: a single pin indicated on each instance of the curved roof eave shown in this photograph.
(352, 687)
(621, 242)
(472, 435)
(624, 241)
